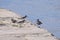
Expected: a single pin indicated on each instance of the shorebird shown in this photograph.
(39, 22)
(21, 21)
(52, 34)
(13, 21)
(24, 17)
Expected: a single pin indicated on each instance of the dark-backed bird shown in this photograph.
(24, 16)
(52, 34)
(21, 21)
(13, 21)
(39, 22)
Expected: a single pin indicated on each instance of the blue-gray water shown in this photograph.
(48, 11)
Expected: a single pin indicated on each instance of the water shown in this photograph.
(48, 11)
